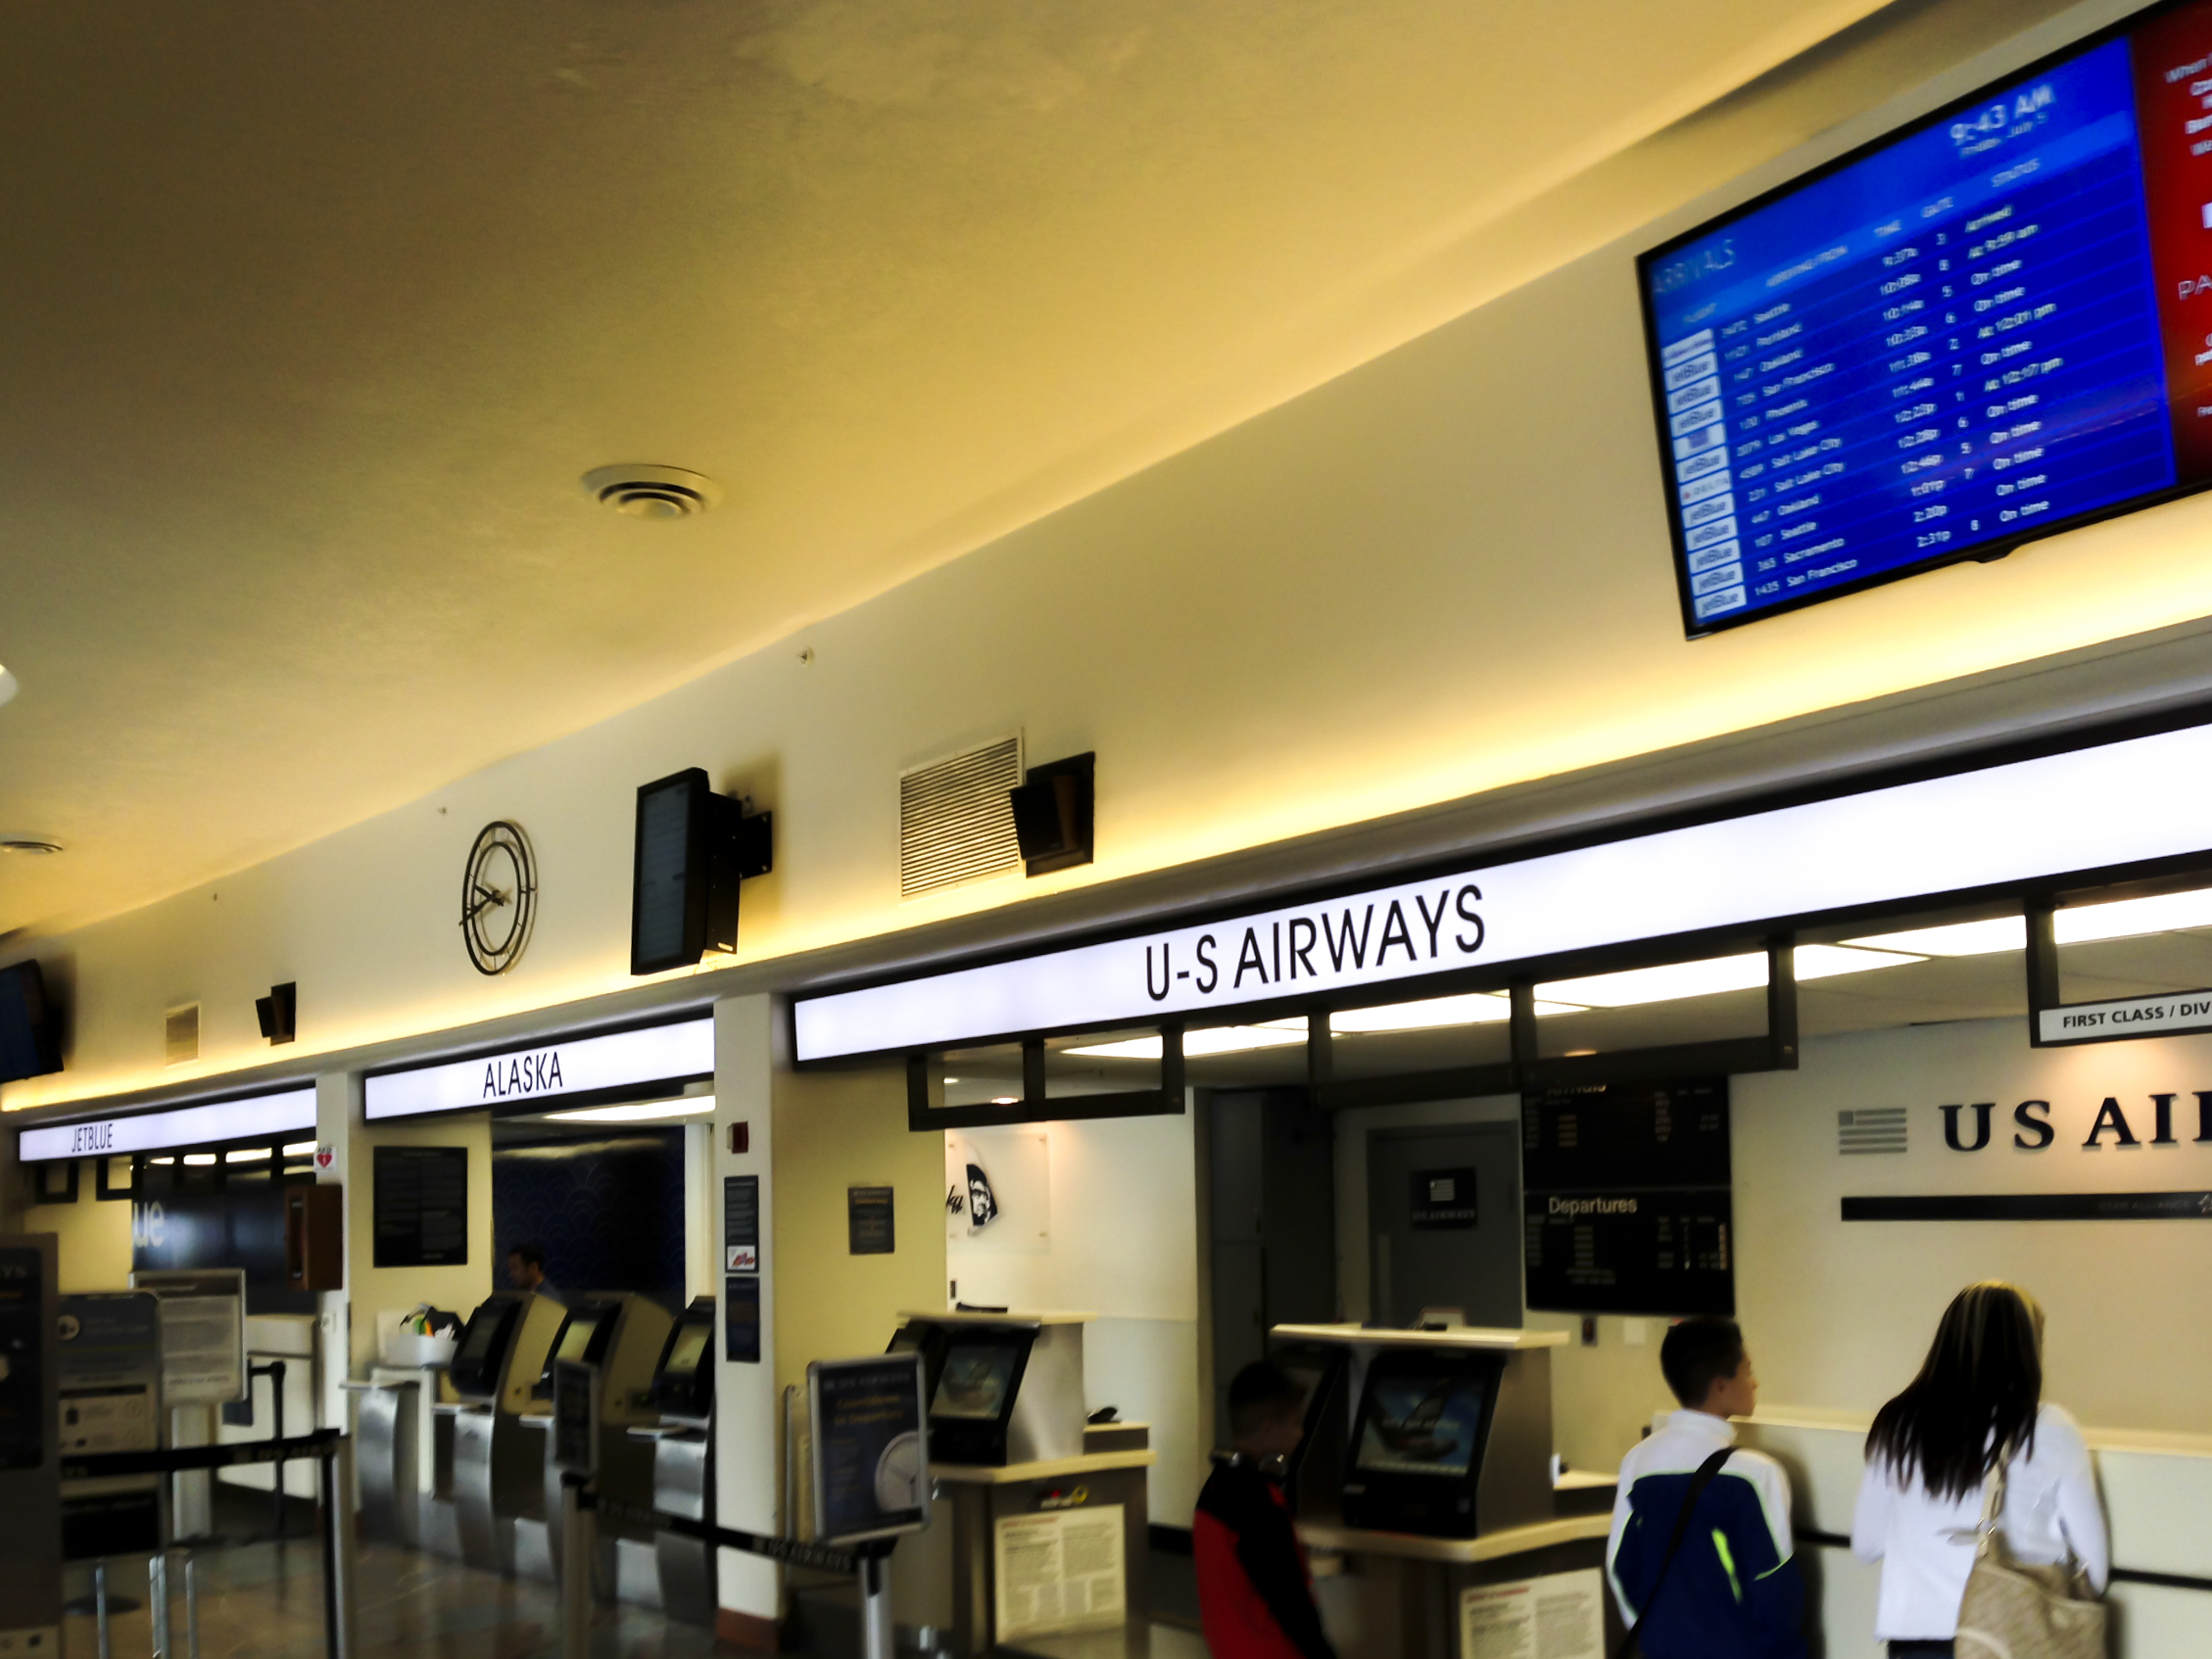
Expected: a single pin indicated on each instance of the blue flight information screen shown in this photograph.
(1960, 339)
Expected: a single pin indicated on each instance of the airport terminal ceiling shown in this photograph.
(317, 318)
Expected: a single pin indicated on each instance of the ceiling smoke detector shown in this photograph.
(641, 491)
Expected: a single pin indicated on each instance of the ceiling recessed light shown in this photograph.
(35, 844)
(1006, 1100)
(638, 490)
(7, 684)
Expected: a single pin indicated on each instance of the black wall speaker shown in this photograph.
(1052, 814)
(279, 1012)
(693, 847)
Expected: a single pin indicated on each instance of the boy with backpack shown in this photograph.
(1701, 1551)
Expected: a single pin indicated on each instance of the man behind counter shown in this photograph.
(1255, 1597)
(526, 1271)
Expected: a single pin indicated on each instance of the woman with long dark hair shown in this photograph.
(1977, 1403)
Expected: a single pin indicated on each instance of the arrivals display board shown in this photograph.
(1990, 326)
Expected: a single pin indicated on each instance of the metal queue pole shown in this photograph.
(869, 1562)
(333, 1451)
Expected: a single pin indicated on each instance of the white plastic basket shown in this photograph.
(404, 1348)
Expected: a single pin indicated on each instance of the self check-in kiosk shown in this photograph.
(1428, 1460)
(675, 1572)
(1013, 1457)
(620, 1336)
(490, 1463)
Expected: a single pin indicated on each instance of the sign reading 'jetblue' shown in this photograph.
(2114, 804)
(290, 1112)
(577, 1065)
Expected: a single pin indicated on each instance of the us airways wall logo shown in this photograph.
(1325, 942)
(2182, 1117)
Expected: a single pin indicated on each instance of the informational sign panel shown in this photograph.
(1060, 1571)
(111, 1360)
(576, 1417)
(740, 1318)
(1627, 1206)
(740, 1223)
(420, 1206)
(1560, 1616)
(869, 1229)
(1443, 1199)
(203, 1320)
(2122, 1018)
(871, 1454)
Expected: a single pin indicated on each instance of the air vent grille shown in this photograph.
(182, 1038)
(1871, 1128)
(955, 823)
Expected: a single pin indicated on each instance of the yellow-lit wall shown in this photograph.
(373, 1290)
(834, 1130)
(1443, 572)
(95, 1238)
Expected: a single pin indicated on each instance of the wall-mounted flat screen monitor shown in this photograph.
(1990, 326)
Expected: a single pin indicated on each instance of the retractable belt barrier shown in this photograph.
(329, 1448)
(818, 1556)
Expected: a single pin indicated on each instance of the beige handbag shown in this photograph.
(2014, 1610)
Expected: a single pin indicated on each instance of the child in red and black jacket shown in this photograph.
(1255, 1595)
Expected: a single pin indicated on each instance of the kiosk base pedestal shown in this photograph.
(1401, 1594)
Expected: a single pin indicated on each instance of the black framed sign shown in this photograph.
(740, 1223)
(420, 1206)
(869, 1221)
(1627, 1202)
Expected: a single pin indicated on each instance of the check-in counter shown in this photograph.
(673, 1572)
(1010, 1452)
(489, 1465)
(1426, 1477)
(621, 1336)
(2158, 1502)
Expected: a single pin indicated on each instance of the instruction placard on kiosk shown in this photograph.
(870, 1448)
(203, 1321)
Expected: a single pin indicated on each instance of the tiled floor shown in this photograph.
(264, 1601)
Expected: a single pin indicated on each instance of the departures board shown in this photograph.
(1626, 1199)
(1991, 325)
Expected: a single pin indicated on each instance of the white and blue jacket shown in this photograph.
(1734, 1587)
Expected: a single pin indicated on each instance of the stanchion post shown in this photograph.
(577, 1549)
(341, 1614)
(191, 1610)
(876, 1639)
(100, 1605)
(157, 1601)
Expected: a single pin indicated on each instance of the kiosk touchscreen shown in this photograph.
(479, 1357)
(973, 1401)
(683, 1382)
(1415, 1451)
(582, 1339)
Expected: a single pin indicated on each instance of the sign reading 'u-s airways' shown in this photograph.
(2089, 809)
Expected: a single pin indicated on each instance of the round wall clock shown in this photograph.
(499, 896)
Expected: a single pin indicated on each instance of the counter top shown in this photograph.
(1013, 1316)
(1461, 1335)
(1490, 1546)
(1050, 1469)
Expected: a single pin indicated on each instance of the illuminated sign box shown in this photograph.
(2089, 809)
(573, 1066)
(290, 1112)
